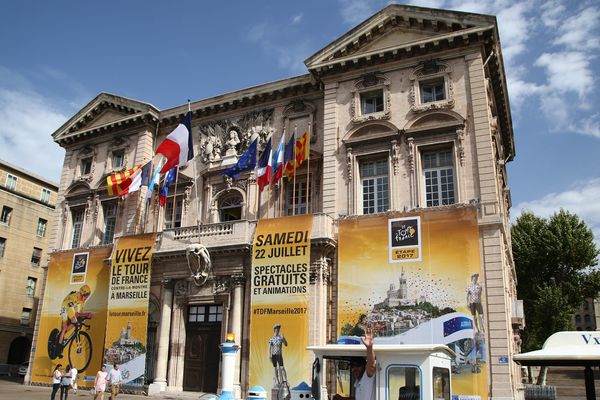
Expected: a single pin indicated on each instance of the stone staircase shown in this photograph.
(570, 383)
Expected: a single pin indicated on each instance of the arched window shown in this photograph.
(578, 319)
(230, 207)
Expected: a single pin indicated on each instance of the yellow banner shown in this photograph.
(279, 310)
(128, 298)
(73, 319)
(415, 279)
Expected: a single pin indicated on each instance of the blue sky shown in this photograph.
(57, 56)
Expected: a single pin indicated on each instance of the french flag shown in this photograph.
(264, 167)
(178, 147)
(278, 163)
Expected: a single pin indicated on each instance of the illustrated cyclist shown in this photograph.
(72, 310)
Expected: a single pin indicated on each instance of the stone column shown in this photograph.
(237, 284)
(166, 299)
(177, 338)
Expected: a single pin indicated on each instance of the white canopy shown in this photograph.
(576, 348)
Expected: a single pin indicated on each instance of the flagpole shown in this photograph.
(193, 160)
(146, 203)
(174, 199)
(308, 169)
(280, 181)
(294, 180)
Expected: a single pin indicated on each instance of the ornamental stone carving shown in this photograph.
(233, 136)
(395, 156)
(427, 70)
(182, 288)
(228, 184)
(367, 83)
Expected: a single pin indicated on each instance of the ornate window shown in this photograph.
(118, 159)
(371, 98)
(109, 210)
(296, 197)
(438, 177)
(77, 227)
(85, 166)
(431, 87)
(374, 178)
(230, 207)
(173, 219)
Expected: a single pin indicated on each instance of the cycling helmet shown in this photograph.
(85, 290)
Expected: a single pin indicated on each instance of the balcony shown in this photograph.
(231, 234)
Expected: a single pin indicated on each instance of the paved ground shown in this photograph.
(11, 389)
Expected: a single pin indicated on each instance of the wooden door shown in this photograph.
(202, 354)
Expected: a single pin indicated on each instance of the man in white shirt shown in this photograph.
(363, 372)
(74, 379)
(114, 379)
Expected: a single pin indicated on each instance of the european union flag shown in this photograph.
(246, 162)
(457, 324)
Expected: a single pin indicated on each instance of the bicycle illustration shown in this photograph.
(78, 344)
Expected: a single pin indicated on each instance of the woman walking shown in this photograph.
(65, 383)
(56, 379)
(100, 383)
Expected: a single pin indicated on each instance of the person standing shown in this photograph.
(65, 383)
(74, 379)
(100, 383)
(276, 343)
(363, 371)
(114, 379)
(56, 379)
(474, 290)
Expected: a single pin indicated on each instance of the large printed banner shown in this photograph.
(76, 290)
(128, 298)
(414, 278)
(279, 303)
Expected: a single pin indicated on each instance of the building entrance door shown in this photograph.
(202, 355)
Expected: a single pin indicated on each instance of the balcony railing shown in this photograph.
(231, 233)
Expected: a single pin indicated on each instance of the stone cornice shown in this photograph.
(303, 84)
(407, 50)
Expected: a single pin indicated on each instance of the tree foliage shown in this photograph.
(555, 260)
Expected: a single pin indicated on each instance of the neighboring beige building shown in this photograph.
(408, 110)
(27, 208)
(587, 316)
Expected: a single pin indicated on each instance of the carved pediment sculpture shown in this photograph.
(233, 136)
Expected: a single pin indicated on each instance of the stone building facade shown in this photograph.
(27, 204)
(408, 110)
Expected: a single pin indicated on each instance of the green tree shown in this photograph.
(555, 259)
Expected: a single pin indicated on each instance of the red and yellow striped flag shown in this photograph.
(118, 184)
(302, 149)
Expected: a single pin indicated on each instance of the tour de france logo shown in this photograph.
(405, 239)
(79, 267)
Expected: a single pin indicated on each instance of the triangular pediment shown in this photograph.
(395, 27)
(103, 111)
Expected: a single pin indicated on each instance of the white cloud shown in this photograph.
(591, 126)
(356, 11)
(297, 18)
(577, 31)
(289, 56)
(27, 119)
(552, 12)
(581, 199)
(567, 71)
